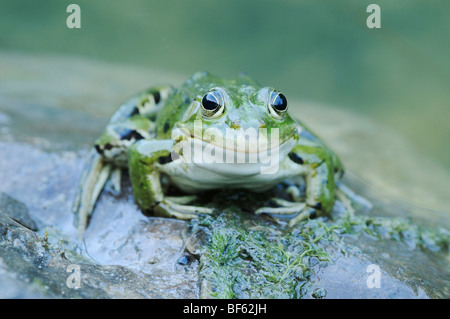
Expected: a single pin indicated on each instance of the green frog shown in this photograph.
(210, 133)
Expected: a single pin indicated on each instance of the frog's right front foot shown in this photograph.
(169, 208)
(145, 160)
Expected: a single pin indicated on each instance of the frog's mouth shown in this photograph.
(236, 143)
(251, 155)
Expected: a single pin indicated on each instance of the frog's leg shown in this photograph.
(105, 163)
(350, 199)
(322, 170)
(93, 178)
(145, 162)
(133, 121)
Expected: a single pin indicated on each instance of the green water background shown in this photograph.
(318, 50)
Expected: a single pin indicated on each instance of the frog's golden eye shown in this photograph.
(213, 104)
(277, 105)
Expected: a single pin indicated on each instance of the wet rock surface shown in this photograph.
(123, 255)
(354, 257)
(16, 211)
(48, 120)
(29, 268)
(404, 272)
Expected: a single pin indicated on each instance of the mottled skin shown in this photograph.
(144, 136)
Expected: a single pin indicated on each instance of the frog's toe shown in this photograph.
(172, 209)
(182, 200)
(285, 208)
(294, 208)
(113, 185)
(294, 192)
(305, 214)
(296, 211)
(352, 201)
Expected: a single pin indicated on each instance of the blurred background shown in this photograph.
(320, 50)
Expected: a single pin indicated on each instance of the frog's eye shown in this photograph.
(277, 104)
(213, 104)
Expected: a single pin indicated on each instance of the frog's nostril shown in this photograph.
(263, 124)
(235, 125)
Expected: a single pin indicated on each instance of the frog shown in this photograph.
(154, 134)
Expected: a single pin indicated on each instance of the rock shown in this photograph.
(321, 259)
(399, 278)
(16, 210)
(120, 240)
(30, 268)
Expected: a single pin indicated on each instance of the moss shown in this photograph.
(45, 242)
(59, 249)
(253, 257)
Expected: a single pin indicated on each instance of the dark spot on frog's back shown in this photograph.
(101, 149)
(98, 149)
(134, 111)
(127, 134)
(165, 159)
(166, 126)
(295, 158)
(157, 97)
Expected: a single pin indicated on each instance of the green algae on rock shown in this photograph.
(254, 258)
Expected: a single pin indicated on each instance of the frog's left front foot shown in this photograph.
(321, 172)
(298, 210)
